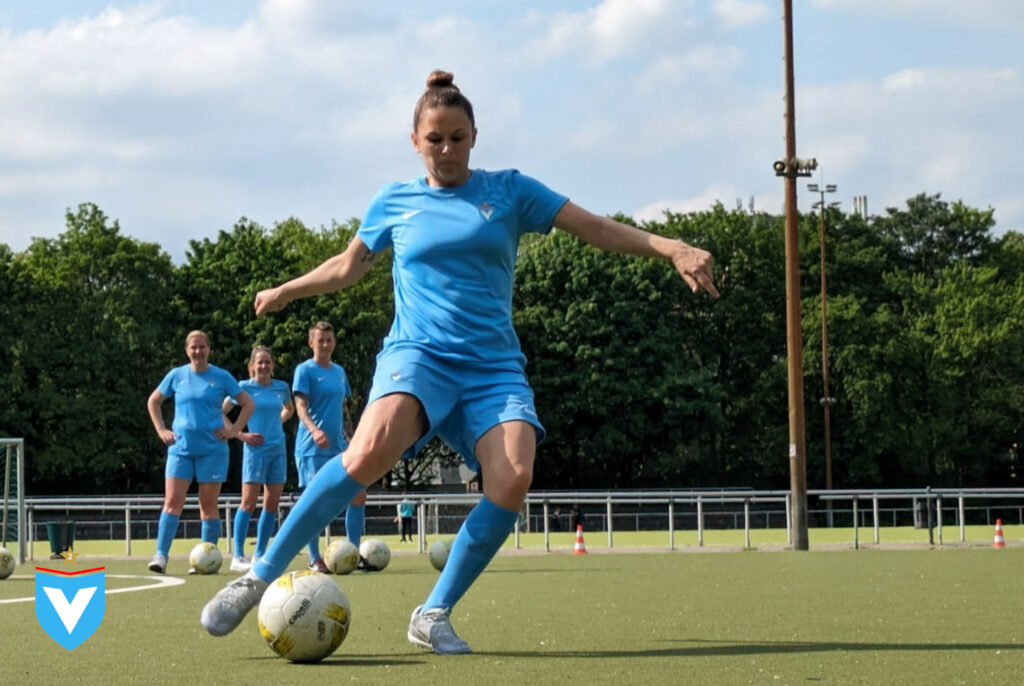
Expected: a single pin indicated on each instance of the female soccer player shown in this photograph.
(451, 364)
(264, 454)
(197, 442)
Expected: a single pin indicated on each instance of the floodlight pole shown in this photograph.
(794, 334)
(827, 401)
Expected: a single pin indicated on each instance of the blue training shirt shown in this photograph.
(266, 417)
(454, 260)
(326, 390)
(198, 399)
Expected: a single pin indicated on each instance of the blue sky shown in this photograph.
(178, 118)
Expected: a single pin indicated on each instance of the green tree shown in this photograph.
(93, 342)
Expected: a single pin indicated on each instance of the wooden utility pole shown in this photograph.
(791, 168)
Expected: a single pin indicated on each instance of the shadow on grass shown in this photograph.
(342, 659)
(706, 648)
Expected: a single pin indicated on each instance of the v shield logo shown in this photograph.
(69, 613)
(486, 211)
(70, 605)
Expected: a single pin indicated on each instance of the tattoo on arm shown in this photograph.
(368, 255)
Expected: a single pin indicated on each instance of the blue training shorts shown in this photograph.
(205, 469)
(308, 466)
(461, 403)
(265, 469)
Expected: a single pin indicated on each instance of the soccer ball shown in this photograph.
(205, 558)
(6, 563)
(376, 553)
(438, 553)
(341, 557)
(304, 616)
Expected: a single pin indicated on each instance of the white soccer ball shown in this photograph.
(7, 563)
(439, 551)
(206, 558)
(376, 553)
(341, 556)
(304, 616)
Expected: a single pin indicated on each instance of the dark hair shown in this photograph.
(442, 92)
(320, 326)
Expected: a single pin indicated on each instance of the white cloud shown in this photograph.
(611, 29)
(737, 14)
(1002, 15)
(709, 61)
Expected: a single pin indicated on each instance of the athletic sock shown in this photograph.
(355, 519)
(326, 495)
(264, 530)
(242, 519)
(313, 548)
(165, 532)
(478, 541)
(210, 531)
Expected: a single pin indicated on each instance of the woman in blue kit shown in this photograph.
(451, 365)
(197, 442)
(264, 453)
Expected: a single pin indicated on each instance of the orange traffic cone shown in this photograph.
(581, 548)
(999, 541)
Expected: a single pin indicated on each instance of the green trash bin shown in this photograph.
(62, 537)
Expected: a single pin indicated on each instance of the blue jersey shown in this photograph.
(198, 399)
(326, 390)
(454, 261)
(266, 417)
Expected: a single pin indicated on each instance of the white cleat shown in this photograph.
(240, 564)
(228, 608)
(158, 565)
(432, 629)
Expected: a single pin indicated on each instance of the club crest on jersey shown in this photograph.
(70, 605)
(486, 211)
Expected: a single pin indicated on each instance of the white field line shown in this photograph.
(156, 582)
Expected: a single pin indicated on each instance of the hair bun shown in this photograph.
(441, 79)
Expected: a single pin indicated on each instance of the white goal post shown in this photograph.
(12, 450)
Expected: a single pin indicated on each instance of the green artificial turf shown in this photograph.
(874, 616)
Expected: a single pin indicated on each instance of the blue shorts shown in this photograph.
(205, 469)
(308, 466)
(461, 402)
(267, 468)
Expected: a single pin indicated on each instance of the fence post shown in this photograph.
(746, 524)
(938, 516)
(608, 508)
(128, 529)
(547, 530)
(671, 524)
(960, 512)
(700, 521)
(856, 529)
(30, 516)
(874, 515)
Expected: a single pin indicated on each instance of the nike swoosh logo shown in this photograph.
(410, 214)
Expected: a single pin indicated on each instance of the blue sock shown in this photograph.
(355, 518)
(242, 519)
(165, 532)
(478, 541)
(264, 530)
(327, 495)
(313, 548)
(210, 531)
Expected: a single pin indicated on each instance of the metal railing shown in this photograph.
(706, 509)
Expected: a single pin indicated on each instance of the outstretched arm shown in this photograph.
(693, 264)
(332, 275)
